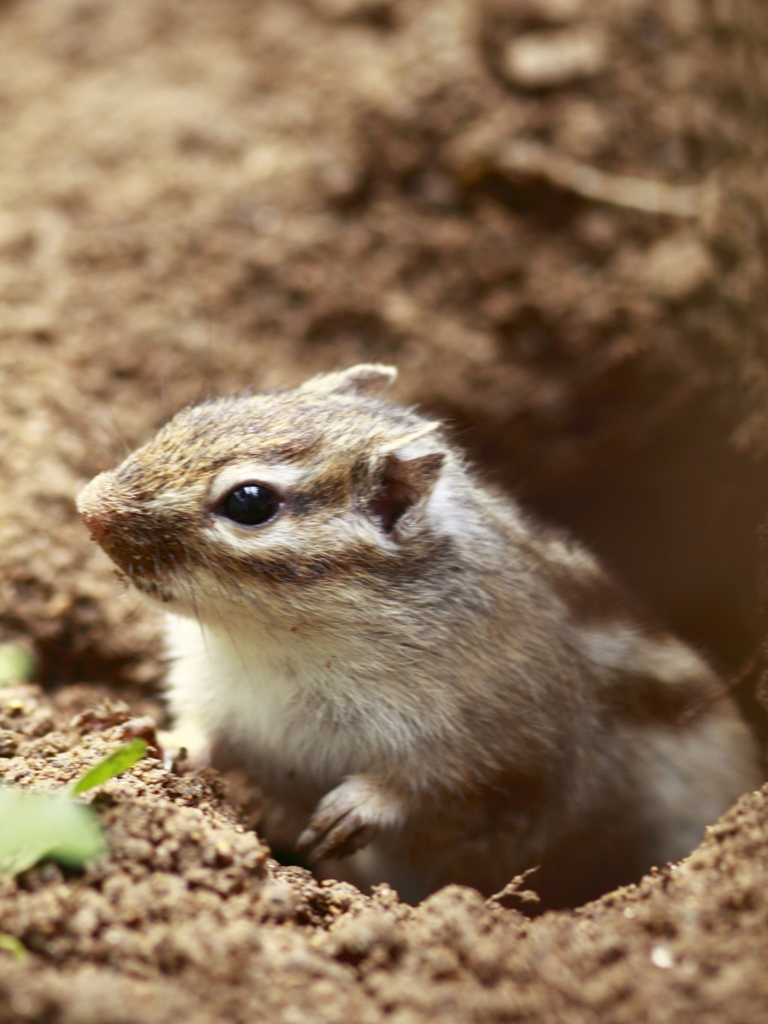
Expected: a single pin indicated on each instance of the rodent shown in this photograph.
(421, 678)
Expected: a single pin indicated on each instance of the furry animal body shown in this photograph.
(424, 681)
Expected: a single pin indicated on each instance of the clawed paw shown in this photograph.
(183, 748)
(348, 818)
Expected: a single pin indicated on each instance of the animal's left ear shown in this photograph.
(363, 379)
(407, 473)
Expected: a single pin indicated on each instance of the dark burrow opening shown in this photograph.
(676, 515)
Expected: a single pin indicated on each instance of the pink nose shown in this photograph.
(99, 527)
(95, 510)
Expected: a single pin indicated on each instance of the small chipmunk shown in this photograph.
(420, 677)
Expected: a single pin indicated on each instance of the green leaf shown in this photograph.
(17, 663)
(112, 765)
(38, 825)
(12, 945)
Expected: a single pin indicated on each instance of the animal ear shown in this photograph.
(406, 474)
(363, 379)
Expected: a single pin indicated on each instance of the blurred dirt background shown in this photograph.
(552, 216)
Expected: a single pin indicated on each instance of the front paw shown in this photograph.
(349, 817)
(184, 747)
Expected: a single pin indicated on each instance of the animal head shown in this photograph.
(250, 498)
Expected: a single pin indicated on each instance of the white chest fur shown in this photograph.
(288, 703)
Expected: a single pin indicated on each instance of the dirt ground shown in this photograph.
(551, 215)
(189, 919)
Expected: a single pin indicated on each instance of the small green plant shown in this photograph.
(10, 944)
(112, 765)
(17, 663)
(37, 825)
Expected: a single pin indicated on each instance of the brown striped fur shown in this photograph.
(420, 676)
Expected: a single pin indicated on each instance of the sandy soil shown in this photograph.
(188, 919)
(202, 196)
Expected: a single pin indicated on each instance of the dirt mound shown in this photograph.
(550, 214)
(188, 918)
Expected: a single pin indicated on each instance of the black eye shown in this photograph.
(249, 505)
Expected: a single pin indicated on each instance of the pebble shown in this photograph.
(661, 956)
(539, 60)
(675, 266)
